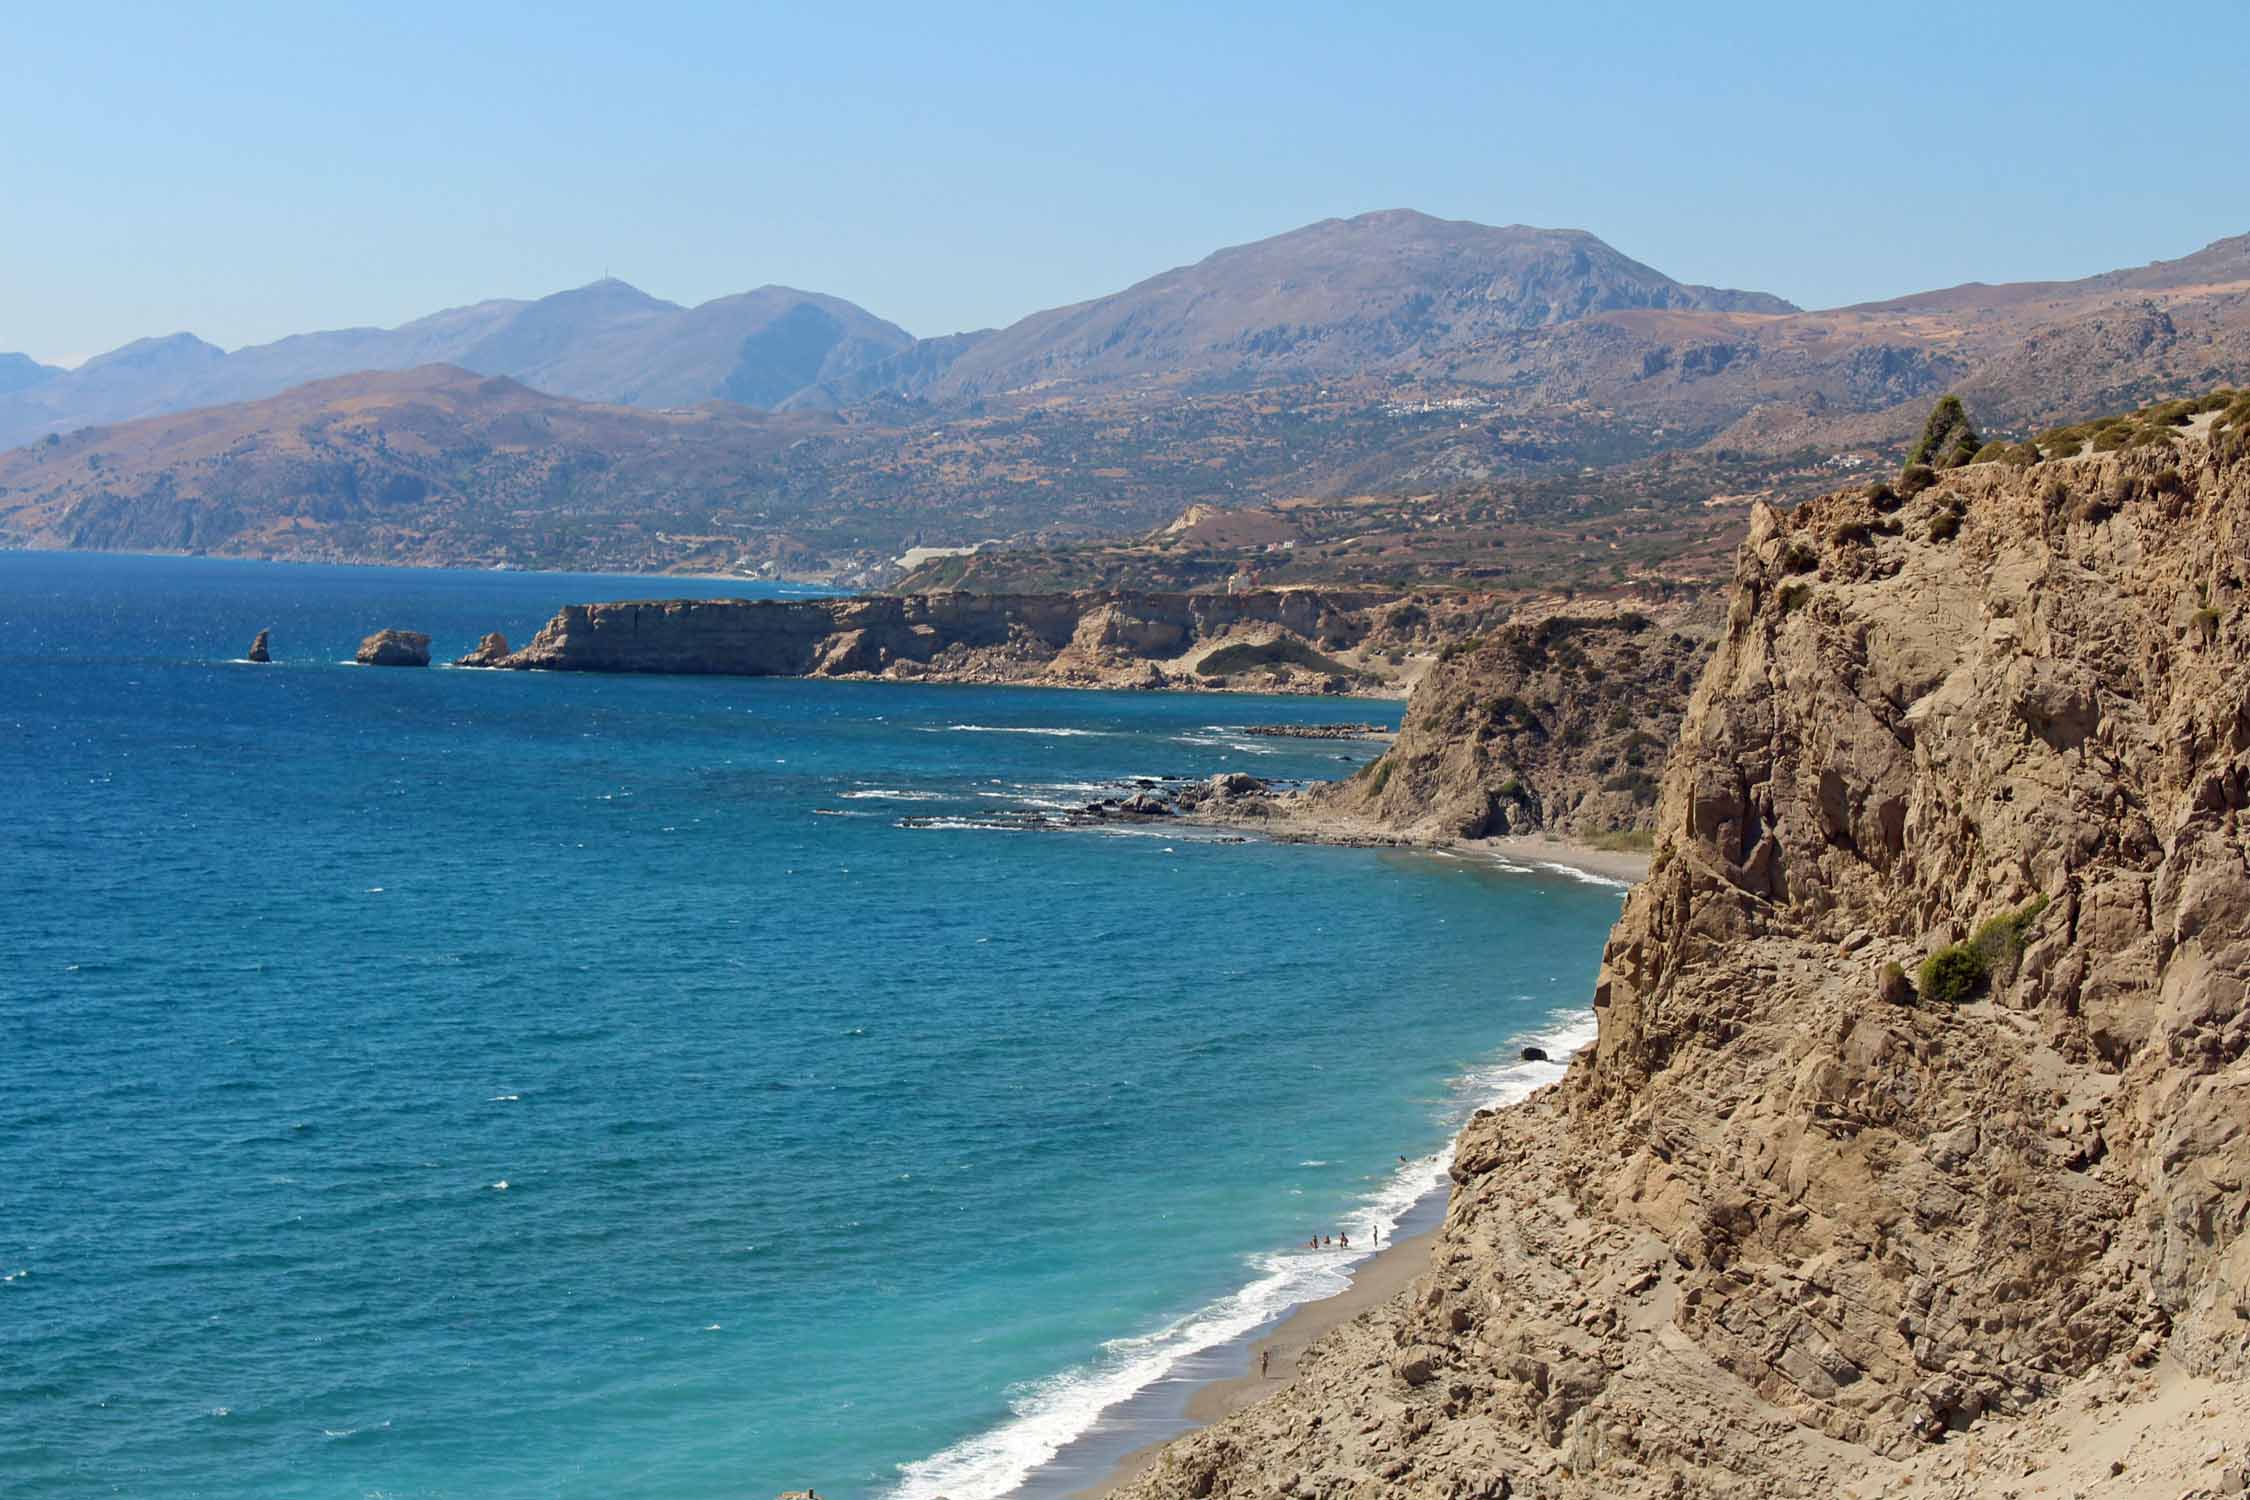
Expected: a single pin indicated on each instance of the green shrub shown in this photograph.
(1999, 941)
(1879, 494)
(1795, 597)
(1945, 526)
(1948, 439)
(1378, 774)
(2206, 624)
(2022, 455)
(1510, 790)
(1951, 976)
(1992, 452)
(1914, 479)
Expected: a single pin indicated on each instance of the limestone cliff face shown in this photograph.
(1298, 640)
(1557, 720)
(1773, 1234)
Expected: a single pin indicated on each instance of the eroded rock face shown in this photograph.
(394, 648)
(490, 652)
(1558, 721)
(260, 650)
(1771, 1232)
(1083, 639)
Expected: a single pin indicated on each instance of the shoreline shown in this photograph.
(1375, 1281)
(1223, 1379)
(1293, 823)
(1213, 1383)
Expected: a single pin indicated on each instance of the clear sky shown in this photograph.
(246, 171)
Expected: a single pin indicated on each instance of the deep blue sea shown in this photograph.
(493, 1085)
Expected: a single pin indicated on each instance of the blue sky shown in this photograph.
(246, 171)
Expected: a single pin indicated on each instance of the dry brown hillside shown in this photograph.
(1799, 1224)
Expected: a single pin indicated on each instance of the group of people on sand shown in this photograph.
(1343, 1241)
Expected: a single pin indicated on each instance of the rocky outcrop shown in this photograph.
(1789, 1222)
(260, 649)
(490, 652)
(1557, 721)
(394, 648)
(1274, 640)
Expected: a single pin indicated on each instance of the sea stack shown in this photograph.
(489, 651)
(258, 651)
(395, 648)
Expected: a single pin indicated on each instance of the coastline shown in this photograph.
(1375, 1281)
(1212, 1383)
(1292, 822)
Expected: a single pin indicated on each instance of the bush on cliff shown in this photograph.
(2000, 940)
(1952, 975)
(1955, 973)
(1948, 439)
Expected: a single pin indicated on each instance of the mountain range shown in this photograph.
(608, 342)
(1392, 355)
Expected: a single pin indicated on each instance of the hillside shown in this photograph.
(1805, 1221)
(1392, 291)
(431, 465)
(607, 342)
(1390, 401)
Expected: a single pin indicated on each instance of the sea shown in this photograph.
(449, 1083)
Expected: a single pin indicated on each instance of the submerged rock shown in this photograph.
(1535, 1054)
(489, 651)
(395, 648)
(258, 648)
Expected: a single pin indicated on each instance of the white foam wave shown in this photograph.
(1050, 1414)
(1026, 729)
(982, 825)
(14, 1275)
(1020, 800)
(891, 794)
(1588, 876)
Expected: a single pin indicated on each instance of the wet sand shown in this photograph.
(1225, 1379)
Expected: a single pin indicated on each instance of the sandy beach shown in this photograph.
(1291, 821)
(1374, 1281)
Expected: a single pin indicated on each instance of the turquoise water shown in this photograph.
(834, 1152)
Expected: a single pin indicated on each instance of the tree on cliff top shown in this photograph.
(1948, 439)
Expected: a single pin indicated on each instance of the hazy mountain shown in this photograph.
(1393, 291)
(1390, 355)
(20, 372)
(605, 342)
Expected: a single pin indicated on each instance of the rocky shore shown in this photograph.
(1266, 641)
(1983, 750)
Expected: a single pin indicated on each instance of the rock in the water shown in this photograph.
(1535, 1054)
(489, 651)
(258, 648)
(395, 648)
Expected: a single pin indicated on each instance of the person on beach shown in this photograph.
(1345, 1240)
(1265, 1357)
(1375, 1233)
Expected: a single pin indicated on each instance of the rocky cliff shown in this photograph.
(1790, 1227)
(1557, 720)
(1296, 640)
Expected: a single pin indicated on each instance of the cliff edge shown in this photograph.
(1265, 640)
(1793, 1227)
